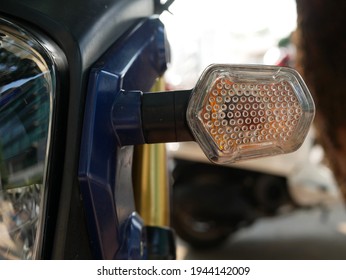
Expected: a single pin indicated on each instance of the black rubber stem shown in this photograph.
(164, 117)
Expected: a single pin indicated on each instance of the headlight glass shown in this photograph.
(26, 94)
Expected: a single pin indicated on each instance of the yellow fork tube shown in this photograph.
(151, 185)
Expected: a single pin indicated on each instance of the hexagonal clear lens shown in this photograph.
(239, 112)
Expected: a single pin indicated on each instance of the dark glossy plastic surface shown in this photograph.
(84, 30)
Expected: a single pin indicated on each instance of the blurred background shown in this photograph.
(287, 207)
(225, 31)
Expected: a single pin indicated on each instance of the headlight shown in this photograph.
(26, 89)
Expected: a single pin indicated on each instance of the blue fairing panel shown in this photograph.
(133, 63)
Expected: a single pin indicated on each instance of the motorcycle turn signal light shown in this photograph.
(239, 112)
(235, 112)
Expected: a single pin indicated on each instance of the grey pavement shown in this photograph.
(302, 234)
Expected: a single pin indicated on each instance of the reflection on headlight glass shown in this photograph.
(25, 100)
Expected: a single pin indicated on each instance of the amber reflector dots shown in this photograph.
(239, 112)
